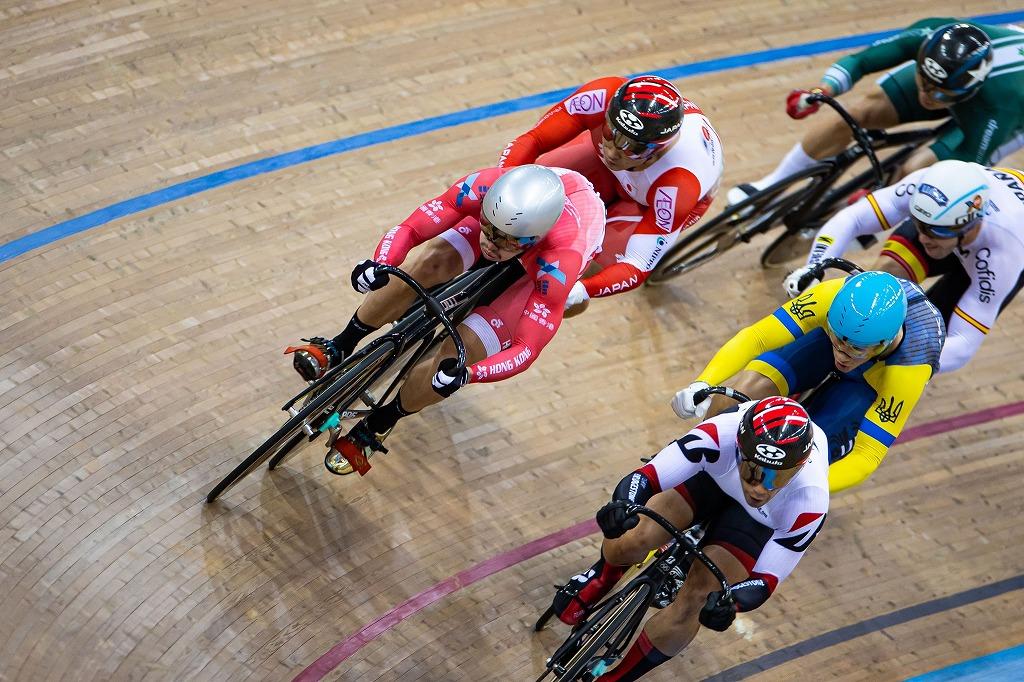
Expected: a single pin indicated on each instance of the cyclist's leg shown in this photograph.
(839, 410)
(733, 543)
(588, 588)
(451, 253)
(488, 330)
(890, 101)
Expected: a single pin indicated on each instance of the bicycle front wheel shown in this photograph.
(602, 639)
(757, 214)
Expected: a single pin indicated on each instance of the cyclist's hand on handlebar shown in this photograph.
(614, 519)
(365, 277)
(797, 105)
(682, 403)
(578, 294)
(717, 615)
(448, 379)
(792, 282)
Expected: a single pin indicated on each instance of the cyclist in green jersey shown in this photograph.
(935, 68)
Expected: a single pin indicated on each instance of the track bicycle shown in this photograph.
(602, 637)
(371, 376)
(801, 202)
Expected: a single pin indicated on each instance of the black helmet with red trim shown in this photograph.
(646, 109)
(775, 433)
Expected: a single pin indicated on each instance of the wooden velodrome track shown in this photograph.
(141, 359)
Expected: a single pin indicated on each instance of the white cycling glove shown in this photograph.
(683, 405)
(792, 282)
(577, 295)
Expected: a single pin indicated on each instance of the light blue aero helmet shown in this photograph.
(868, 310)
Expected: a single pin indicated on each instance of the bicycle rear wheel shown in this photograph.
(611, 627)
(739, 222)
(344, 388)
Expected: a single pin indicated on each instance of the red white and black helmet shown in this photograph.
(646, 109)
(775, 433)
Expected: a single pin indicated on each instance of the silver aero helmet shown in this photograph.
(525, 202)
(951, 196)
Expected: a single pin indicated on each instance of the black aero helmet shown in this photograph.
(955, 58)
(775, 433)
(646, 109)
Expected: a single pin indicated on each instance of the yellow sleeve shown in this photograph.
(794, 319)
(899, 387)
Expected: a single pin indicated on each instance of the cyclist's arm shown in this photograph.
(670, 206)
(882, 54)
(434, 217)
(541, 316)
(878, 211)
(899, 387)
(792, 320)
(783, 551)
(979, 306)
(582, 110)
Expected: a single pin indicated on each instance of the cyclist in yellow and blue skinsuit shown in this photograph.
(878, 336)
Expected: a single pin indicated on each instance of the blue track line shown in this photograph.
(181, 190)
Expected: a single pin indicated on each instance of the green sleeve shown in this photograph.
(883, 54)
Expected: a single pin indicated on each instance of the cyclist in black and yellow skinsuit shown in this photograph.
(935, 68)
(881, 338)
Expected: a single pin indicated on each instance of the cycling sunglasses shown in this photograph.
(502, 240)
(853, 350)
(633, 149)
(941, 94)
(937, 232)
(771, 479)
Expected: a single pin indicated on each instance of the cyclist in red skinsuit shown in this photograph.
(651, 154)
(550, 219)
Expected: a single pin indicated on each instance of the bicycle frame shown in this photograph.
(582, 650)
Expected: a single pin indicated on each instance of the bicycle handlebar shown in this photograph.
(688, 546)
(819, 269)
(859, 133)
(433, 306)
(702, 395)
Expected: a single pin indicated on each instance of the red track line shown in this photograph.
(350, 645)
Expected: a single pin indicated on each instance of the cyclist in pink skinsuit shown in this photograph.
(550, 219)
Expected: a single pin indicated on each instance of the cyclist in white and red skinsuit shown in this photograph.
(759, 477)
(651, 154)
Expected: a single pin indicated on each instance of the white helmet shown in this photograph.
(525, 202)
(951, 194)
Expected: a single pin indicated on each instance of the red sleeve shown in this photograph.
(673, 204)
(541, 316)
(435, 216)
(582, 110)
